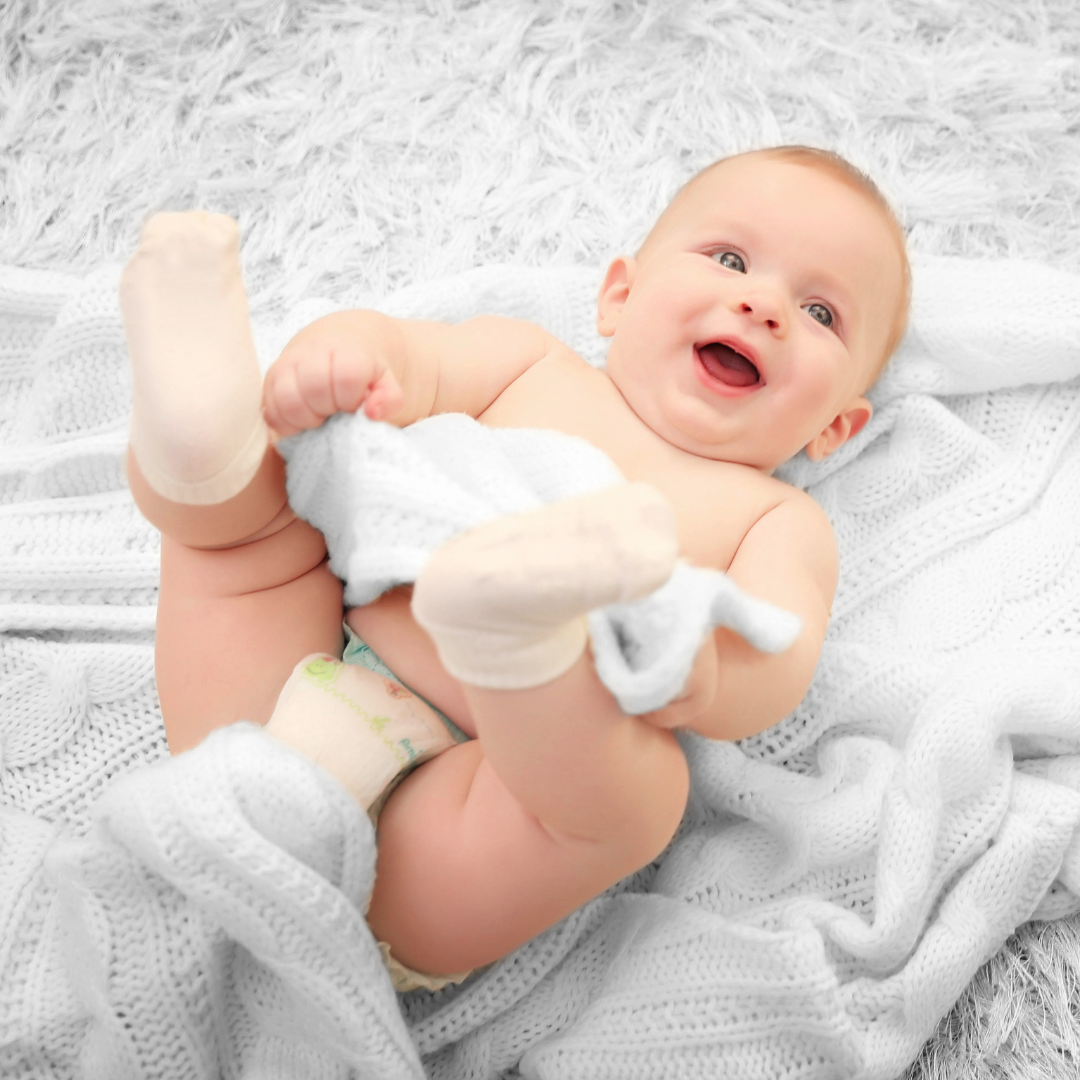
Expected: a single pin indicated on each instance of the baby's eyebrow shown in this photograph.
(836, 291)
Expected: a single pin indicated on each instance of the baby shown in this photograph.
(762, 305)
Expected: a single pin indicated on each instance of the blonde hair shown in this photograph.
(840, 169)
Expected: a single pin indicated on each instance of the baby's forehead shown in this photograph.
(712, 192)
(754, 192)
(759, 174)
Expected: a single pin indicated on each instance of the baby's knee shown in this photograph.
(648, 811)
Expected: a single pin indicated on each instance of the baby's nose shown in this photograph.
(763, 307)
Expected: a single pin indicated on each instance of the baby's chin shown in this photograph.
(690, 424)
(763, 458)
(740, 451)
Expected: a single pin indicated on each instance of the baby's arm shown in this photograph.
(789, 558)
(398, 370)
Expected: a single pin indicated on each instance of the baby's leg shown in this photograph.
(245, 590)
(562, 795)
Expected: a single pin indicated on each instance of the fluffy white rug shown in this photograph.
(370, 146)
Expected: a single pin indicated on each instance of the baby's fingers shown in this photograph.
(385, 397)
(350, 380)
(315, 383)
(286, 409)
(303, 390)
(696, 695)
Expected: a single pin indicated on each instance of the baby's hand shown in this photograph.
(320, 373)
(696, 696)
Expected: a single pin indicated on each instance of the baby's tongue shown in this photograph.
(724, 363)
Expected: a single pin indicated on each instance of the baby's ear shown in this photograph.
(613, 293)
(845, 425)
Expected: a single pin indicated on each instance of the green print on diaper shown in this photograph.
(322, 673)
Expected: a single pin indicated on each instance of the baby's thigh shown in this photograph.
(232, 624)
(465, 874)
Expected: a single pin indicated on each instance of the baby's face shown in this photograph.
(754, 317)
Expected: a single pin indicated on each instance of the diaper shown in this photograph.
(404, 978)
(357, 651)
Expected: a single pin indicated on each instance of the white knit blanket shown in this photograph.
(837, 881)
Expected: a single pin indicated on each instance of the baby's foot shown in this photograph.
(505, 603)
(197, 430)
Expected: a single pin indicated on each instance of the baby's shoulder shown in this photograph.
(723, 506)
(781, 501)
(727, 482)
(792, 523)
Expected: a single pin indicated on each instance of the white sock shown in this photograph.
(197, 430)
(506, 603)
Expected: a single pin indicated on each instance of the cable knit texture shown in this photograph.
(837, 881)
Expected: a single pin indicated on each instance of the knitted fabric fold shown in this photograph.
(213, 919)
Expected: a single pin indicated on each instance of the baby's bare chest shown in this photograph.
(716, 503)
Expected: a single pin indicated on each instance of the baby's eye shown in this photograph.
(821, 313)
(731, 260)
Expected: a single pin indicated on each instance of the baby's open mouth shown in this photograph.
(726, 365)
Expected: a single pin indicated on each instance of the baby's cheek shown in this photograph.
(822, 392)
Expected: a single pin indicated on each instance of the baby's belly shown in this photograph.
(388, 627)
